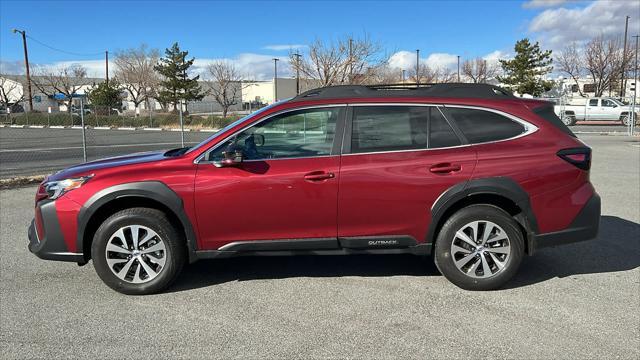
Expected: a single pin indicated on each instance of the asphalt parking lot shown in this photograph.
(577, 301)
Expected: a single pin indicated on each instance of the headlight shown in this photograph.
(55, 189)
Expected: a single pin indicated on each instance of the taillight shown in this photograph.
(580, 157)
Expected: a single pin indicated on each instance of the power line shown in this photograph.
(63, 51)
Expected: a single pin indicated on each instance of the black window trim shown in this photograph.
(335, 148)
(346, 143)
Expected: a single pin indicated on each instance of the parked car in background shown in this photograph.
(465, 173)
(594, 109)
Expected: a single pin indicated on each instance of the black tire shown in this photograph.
(155, 220)
(626, 120)
(569, 120)
(444, 259)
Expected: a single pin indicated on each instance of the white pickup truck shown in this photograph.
(596, 109)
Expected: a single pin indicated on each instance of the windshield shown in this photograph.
(617, 102)
(221, 131)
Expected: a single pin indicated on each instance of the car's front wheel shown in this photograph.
(480, 247)
(137, 251)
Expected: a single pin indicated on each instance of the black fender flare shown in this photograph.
(153, 190)
(501, 186)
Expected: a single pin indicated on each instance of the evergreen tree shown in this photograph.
(524, 73)
(176, 85)
(105, 96)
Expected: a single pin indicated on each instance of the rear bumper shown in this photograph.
(51, 246)
(583, 227)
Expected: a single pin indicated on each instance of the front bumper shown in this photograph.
(583, 227)
(51, 246)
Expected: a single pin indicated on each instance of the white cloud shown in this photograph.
(403, 60)
(252, 66)
(407, 59)
(95, 68)
(494, 56)
(557, 27)
(11, 67)
(442, 60)
(534, 4)
(285, 47)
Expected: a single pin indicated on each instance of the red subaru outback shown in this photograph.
(468, 174)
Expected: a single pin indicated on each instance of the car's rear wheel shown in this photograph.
(137, 251)
(480, 247)
(626, 120)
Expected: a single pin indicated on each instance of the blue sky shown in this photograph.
(252, 31)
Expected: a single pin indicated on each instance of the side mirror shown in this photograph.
(231, 159)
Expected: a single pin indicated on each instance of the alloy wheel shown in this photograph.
(480, 249)
(136, 254)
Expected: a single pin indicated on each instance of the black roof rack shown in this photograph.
(461, 90)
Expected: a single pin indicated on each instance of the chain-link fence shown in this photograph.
(34, 143)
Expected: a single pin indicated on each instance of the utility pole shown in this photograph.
(106, 66)
(458, 68)
(350, 60)
(417, 67)
(403, 71)
(26, 64)
(623, 87)
(297, 55)
(275, 79)
(632, 124)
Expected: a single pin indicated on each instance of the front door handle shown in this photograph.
(445, 168)
(319, 176)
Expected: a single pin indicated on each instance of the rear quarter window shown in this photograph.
(480, 126)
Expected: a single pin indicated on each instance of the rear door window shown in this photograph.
(393, 128)
(480, 126)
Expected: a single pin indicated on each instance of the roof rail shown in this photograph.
(462, 90)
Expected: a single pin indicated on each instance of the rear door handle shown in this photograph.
(319, 176)
(445, 168)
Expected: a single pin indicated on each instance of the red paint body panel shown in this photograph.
(392, 193)
(266, 200)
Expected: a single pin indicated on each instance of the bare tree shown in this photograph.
(347, 61)
(66, 81)
(603, 61)
(431, 75)
(570, 62)
(11, 92)
(134, 70)
(478, 70)
(382, 74)
(225, 84)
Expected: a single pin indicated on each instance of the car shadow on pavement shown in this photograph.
(617, 248)
(211, 272)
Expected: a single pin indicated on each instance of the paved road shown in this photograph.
(40, 151)
(577, 301)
